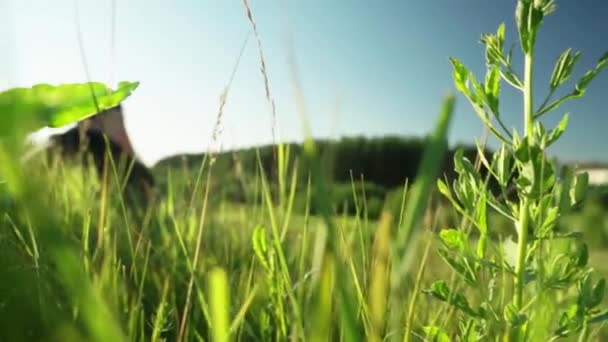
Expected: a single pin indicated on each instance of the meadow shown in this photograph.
(287, 242)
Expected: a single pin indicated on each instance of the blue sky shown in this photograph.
(366, 67)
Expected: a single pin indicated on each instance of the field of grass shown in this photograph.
(198, 267)
(439, 260)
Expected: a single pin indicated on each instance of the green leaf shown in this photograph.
(581, 85)
(563, 68)
(428, 170)
(582, 257)
(479, 97)
(434, 333)
(522, 151)
(590, 295)
(260, 245)
(570, 321)
(536, 174)
(598, 293)
(461, 265)
(558, 130)
(513, 316)
(463, 165)
(443, 188)
(28, 109)
(600, 317)
(529, 15)
(465, 190)
(482, 225)
(579, 188)
(469, 331)
(461, 76)
(441, 291)
(564, 188)
(510, 77)
(502, 165)
(549, 221)
(492, 89)
(494, 46)
(454, 239)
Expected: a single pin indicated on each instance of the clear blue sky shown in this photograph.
(367, 67)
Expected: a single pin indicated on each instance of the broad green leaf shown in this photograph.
(24, 110)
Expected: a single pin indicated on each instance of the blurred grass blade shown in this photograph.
(378, 288)
(323, 313)
(420, 191)
(220, 304)
(426, 177)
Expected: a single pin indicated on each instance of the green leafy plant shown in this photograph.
(28, 109)
(23, 110)
(545, 265)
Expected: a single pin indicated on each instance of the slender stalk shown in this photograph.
(521, 254)
(525, 204)
(584, 334)
(528, 99)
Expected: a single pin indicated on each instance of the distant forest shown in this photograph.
(384, 161)
(378, 166)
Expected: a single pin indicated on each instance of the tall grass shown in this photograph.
(77, 263)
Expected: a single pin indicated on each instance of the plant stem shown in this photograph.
(528, 99)
(525, 204)
(584, 335)
(521, 254)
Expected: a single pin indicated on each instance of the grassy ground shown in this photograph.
(76, 263)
